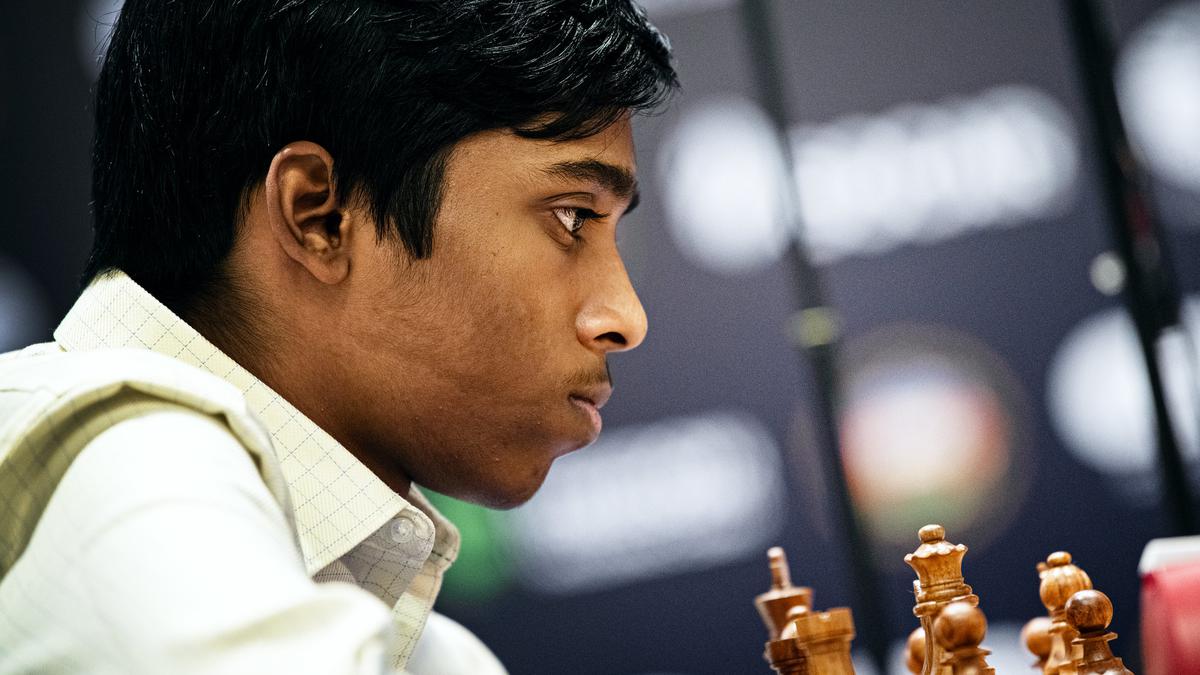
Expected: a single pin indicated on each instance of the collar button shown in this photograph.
(403, 529)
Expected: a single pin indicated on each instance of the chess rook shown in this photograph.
(825, 639)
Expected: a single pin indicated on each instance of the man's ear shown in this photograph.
(303, 212)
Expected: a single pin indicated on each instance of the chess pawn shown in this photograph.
(959, 630)
(938, 565)
(1060, 580)
(1089, 612)
(775, 605)
(1035, 635)
(914, 651)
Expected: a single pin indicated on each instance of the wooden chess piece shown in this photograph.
(775, 605)
(825, 640)
(1060, 580)
(778, 607)
(785, 653)
(799, 640)
(938, 565)
(959, 630)
(914, 652)
(1035, 635)
(1089, 613)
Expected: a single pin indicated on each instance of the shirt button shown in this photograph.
(403, 529)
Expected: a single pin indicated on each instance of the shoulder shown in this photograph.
(142, 411)
(49, 368)
(45, 390)
(172, 447)
(172, 455)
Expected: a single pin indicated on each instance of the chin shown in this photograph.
(500, 486)
(510, 496)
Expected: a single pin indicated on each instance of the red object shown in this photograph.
(1171, 620)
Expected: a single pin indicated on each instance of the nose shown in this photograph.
(612, 319)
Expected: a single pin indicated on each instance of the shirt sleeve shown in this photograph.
(189, 564)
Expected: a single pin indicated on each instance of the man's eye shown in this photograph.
(574, 218)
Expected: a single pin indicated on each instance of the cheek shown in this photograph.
(515, 323)
(516, 299)
(491, 312)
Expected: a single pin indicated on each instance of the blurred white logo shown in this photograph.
(1099, 395)
(867, 184)
(724, 179)
(1158, 81)
(652, 501)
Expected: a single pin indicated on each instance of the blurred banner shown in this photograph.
(992, 382)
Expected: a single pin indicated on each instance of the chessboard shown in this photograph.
(1071, 639)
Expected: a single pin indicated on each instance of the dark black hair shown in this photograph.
(196, 97)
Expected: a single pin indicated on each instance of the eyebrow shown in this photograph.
(616, 179)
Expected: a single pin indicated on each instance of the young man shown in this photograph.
(341, 248)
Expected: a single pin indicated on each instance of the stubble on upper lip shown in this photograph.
(595, 387)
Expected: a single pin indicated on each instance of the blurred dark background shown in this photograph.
(950, 198)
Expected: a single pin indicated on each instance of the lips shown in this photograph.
(592, 413)
(596, 396)
(590, 402)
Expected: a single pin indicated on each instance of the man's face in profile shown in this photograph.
(439, 300)
(480, 365)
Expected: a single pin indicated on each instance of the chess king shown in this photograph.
(1073, 640)
(341, 249)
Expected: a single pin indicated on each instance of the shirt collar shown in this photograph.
(338, 501)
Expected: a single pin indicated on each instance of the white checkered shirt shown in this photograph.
(225, 610)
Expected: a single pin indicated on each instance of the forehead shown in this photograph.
(506, 153)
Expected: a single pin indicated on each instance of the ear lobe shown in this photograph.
(303, 212)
